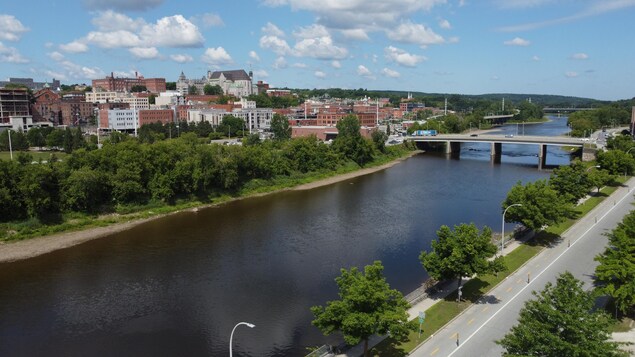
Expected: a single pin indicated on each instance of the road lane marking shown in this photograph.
(485, 308)
(453, 337)
(434, 352)
(519, 281)
(509, 289)
(538, 275)
(470, 322)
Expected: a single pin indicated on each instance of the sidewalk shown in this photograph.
(424, 302)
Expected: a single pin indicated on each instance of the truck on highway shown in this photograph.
(424, 133)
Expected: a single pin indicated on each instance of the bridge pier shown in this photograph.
(542, 156)
(495, 152)
(453, 148)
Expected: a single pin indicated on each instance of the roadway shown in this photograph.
(474, 331)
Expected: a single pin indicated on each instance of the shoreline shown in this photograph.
(37, 246)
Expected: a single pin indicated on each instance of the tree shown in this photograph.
(192, 90)
(560, 322)
(36, 138)
(212, 89)
(170, 85)
(541, 205)
(231, 125)
(379, 139)
(280, 127)
(616, 272)
(616, 162)
(461, 252)
(570, 181)
(138, 88)
(599, 178)
(350, 143)
(367, 306)
(55, 139)
(152, 99)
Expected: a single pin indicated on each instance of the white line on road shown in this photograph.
(534, 279)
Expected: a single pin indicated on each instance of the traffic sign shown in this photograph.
(422, 316)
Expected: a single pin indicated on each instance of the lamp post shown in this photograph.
(10, 148)
(590, 167)
(503, 226)
(232, 334)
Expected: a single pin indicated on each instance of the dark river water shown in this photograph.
(178, 285)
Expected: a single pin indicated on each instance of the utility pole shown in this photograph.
(445, 112)
(503, 105)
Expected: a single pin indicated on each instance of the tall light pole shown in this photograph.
(503, 226)
(232, 334)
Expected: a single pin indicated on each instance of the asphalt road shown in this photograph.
(473, 333)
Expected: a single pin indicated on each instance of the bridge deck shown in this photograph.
(525, 139)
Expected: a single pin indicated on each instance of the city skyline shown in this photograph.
(556, 47)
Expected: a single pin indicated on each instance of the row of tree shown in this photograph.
(584, 123)
(64, 139)
(131, 171)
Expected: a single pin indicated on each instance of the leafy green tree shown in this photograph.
(192, 90)
(616, 271)
(212, 89)
(170, 85)
(461, 252)
(231, 125)
(599, 178)
(621, 142)
(152, 99)
(367, 306)
(571, 181)
(561, 322)
(55, 139)
(138, 88)
(12, 206)
(541, 205)
(350, 143)
(280, 127)
(68, 140)
(19, 141)
(251, 140)
(308, 154)
(616, 162)
(40, 189)
(84, 190)
(78, 139)
(379, 139)
(36, 137)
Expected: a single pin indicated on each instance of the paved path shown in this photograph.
(474, 331)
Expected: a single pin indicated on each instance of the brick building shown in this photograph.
(331, 119)
(120, 84)
(150, 116)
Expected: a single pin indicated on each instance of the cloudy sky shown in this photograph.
(568, 47)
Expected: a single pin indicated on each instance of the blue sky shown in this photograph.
(568, 47)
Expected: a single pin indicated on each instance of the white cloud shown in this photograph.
(579, 56)
(355, 34)
(56, 56)
(312, 31)
(172, 31)
(74, 47)
(510, 4)
(76, 71)
(122, 5)
(495, 78)
(445, 24)
(363, 71)
(254, 56)
(535, 58)
(416, 34)
(390, 73)
(320, 47)
(402, 57)
(571, 74)
(299, 65)
(216, 56)
(144, 52)
(261, 73)
(319, 74)
(517, 41)
(114, 21)
(11, 29)
(280, 63)
(210, 20)
(181, 58)
(11, 55)
(113, 39)
(368, 14)
(272, 30)
(592, 8)
(336, 64)
(275, 44)
(56, 75)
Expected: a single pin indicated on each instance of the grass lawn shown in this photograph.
(37, 155)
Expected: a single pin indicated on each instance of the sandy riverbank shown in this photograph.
(34, 247)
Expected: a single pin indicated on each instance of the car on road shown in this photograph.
(474, 135)
(509, 135)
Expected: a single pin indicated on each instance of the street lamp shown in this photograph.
(590, 167)
(10, 148)
(503, 226)
(232, 334)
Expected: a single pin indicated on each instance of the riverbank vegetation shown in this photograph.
(93, 187)
(584, 123)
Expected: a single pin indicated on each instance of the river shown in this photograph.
(178, 285)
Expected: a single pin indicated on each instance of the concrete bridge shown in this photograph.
(453, 143)
(564, 110)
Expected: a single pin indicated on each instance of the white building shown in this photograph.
(255, 118)
(236, 82)
(169, 99)
(118, 97)
(121, 119)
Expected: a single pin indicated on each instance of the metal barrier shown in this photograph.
(324, 351)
